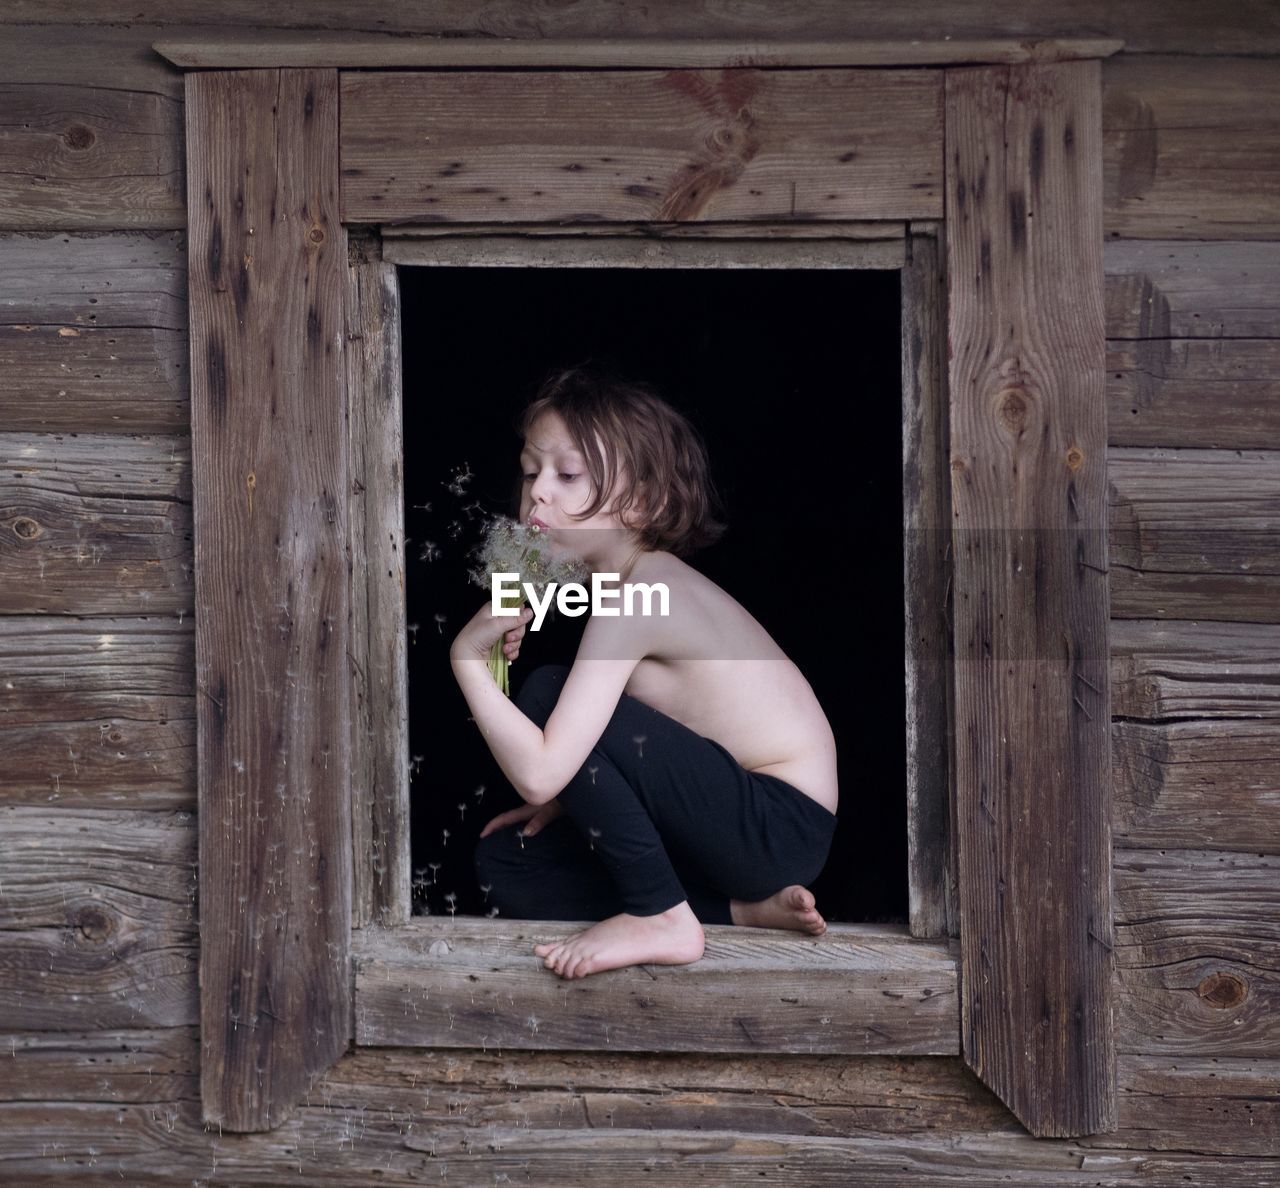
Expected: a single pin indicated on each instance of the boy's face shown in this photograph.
(556, 486)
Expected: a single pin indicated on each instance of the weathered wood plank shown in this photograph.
(1221, 393)
(932, 875)
(269, 443)
(97, 919)
(266, 48)
(93, 333)
(579, 251)
(95, 525)
(858, 989)
(678, 145)
(395, 237)
(1173, 289)
(1194, 534)
(1213, 1105)
(135, 1064)
(1192, 148)
(1201, 670)
(1197, 953)
(112, 56)
(43, 1142)
(380, 675)
(1028, 473)
(1197, 783)
(77, 157)
(1177, 26)
(97, 712)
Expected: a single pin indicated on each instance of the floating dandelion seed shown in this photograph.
(593, 771)
(638, 739)
(452, 900)
(485, 888)
(430, 551)
(440, 621)
(412, 628)
(444, 837)
(462, 810)
(473, 509)
(455, 529)
(421, 506)
(595, 833)
(461, 477)
(479, 794)
(434, 868)
(493, 911)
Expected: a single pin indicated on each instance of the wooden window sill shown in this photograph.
(860, 989)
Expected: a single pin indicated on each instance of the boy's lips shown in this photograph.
(538, 522)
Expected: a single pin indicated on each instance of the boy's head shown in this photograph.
(644, 461)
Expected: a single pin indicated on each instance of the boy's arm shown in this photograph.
(540, 763)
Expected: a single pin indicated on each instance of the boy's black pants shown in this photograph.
(657, 814)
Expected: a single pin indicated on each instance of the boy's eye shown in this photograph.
(567, 477)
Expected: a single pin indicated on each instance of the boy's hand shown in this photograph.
(536, 815)
(486, 628)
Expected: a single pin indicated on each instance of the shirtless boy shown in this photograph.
(709, 666)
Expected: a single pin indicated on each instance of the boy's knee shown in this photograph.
(540, 691)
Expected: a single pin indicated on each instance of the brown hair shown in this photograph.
(663, 453)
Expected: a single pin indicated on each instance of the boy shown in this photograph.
(691, 755)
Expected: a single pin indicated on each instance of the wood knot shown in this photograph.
(1075, 458)
(26, 528)
(78, 137)
(316, 235)
(94, 923)
(1013, 405)
(958, 465)
(1223, 990)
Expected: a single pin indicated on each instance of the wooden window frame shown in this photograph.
(295, 934)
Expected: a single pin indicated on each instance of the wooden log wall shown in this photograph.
(98, 957)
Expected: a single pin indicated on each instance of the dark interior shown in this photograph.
(794, 379)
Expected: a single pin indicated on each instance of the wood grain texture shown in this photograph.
(860, 989)
(1177, 26)
(1213, 1104)
(379, 666)
(670, 146)
(1171, 289)
(40, 1142)
(97, 919)
(264, 48)
(93, 333)
(1212, 392)
(89, 157)
(1194, 534)
(1193, 334)
(95, 524)
(583, 251)
(1198, 953)
(931, 878)
(268, 260)
(1201, 670)
(97, 712)
(1202, 782)
(1028, 462)
(1192, 148)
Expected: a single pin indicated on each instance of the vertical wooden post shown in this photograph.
(380, 676)
(926, 567)
(267, 261)
(1028, 474)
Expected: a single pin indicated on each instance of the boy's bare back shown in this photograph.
(714, 668)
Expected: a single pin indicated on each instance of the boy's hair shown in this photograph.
(664, 454)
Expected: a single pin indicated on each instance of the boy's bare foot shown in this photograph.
(792, 907)
(673, 937)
